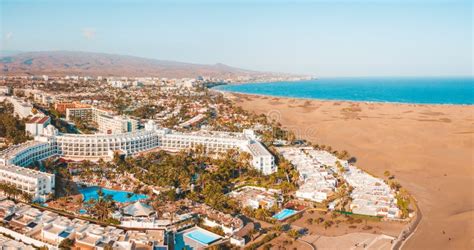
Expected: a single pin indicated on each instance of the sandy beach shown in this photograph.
(429, 149)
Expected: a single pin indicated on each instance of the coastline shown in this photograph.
(228, 92)
(405, 138)
(396, 90)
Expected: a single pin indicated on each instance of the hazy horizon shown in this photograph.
(320, 38)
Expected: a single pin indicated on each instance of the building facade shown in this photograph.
(27, 153)
(35, 183)
(36, 125)
(21, 108)
(106, 123)
(93, 147)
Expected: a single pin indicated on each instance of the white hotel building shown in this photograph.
(21, 108)
(94, 147)
(106, 123)
(37, 184)
(100, 146)
(27, 153)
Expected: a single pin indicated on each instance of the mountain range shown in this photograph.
(57, 63)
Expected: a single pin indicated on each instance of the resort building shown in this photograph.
(44, 98)
(106, 123)
(262, 160)
(115, 124)
(37, 184)
(36, 125)
(22, 108)
(48, 229)
(214, 141)
(318, 181)
(61, 107)
(371, 196)
(27, 153)
(95, 236)
(7, 243)
(256, 197)
(94, 147)
(148, 240)
(80, 113)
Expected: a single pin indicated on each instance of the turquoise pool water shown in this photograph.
(428, 90)
(91, 193)
(285, 213)
(194, 239)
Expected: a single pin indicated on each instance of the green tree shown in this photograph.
(66, 244)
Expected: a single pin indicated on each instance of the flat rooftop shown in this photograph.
(25, 171)
(15, 149)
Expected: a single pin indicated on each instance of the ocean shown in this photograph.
(420, 90)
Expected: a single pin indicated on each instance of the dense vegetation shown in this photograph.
(146, 111)
(11, 127)
(195, 175)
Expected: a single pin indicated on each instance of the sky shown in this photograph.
(320, 38)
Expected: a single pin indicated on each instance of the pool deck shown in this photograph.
(194, 243)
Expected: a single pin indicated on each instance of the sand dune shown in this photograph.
(429, 148)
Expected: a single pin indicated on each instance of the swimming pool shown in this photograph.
(195, 238)
(91, 193)
(202, 236)
(285, 213)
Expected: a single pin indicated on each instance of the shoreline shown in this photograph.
(226, 92)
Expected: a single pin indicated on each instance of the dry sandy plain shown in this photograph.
(429, 148)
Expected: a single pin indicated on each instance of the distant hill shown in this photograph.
(94, 64)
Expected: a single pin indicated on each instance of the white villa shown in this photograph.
(370, 195)
(317, 180)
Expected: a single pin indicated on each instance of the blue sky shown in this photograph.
(323, 38)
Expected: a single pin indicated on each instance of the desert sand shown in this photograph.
(429, 149)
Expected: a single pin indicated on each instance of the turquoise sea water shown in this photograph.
(117, 195)
(423, 90)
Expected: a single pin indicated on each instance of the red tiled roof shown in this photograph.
(38, 119)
